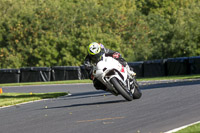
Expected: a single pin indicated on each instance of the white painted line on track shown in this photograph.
(32, 102)
(23, 103)
(180, 128)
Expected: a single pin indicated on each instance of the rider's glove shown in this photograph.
(116, 55)
(92, 77)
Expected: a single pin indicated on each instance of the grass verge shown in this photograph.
(89, 81)
(47, 83)
(191, 129)
(7, 99)
(170, 77)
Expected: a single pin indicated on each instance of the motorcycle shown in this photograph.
(116, 79)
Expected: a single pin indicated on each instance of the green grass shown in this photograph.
(16, 98)
(170, 77)
(191, 129)
(89, 81)
(47, 83)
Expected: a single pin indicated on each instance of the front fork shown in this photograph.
(128, 84)
(110, 86)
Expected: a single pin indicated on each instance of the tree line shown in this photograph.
(57, 33)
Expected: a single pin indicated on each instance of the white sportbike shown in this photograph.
(116, 79)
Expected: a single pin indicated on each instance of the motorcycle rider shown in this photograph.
(95, 51)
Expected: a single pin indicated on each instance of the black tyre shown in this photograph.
(127, 95)
(137, 92)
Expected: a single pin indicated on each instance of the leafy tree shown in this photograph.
(49, 33)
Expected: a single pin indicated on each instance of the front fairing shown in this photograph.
(105, 66)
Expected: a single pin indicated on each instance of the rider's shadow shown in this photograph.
(82, 95)
(88, 104)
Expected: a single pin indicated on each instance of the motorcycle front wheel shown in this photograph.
(127, 95)
(137, 92)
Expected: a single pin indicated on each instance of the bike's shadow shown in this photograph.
(88, 104)
(93, 94)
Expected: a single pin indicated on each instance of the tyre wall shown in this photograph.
(194, 65)
(138, 68)
(35, 74)
(9, 75)
(153, 68)
(65, 73)
(178, 66)
(84, 73)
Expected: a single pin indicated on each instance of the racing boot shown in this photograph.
(130, 72)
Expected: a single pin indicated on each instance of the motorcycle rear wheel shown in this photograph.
(127, 95)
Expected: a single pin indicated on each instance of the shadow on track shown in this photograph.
(155, 85)
(91, 94)
(82, 95)
(89, 104)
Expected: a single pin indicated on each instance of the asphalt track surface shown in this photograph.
(163, 106)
